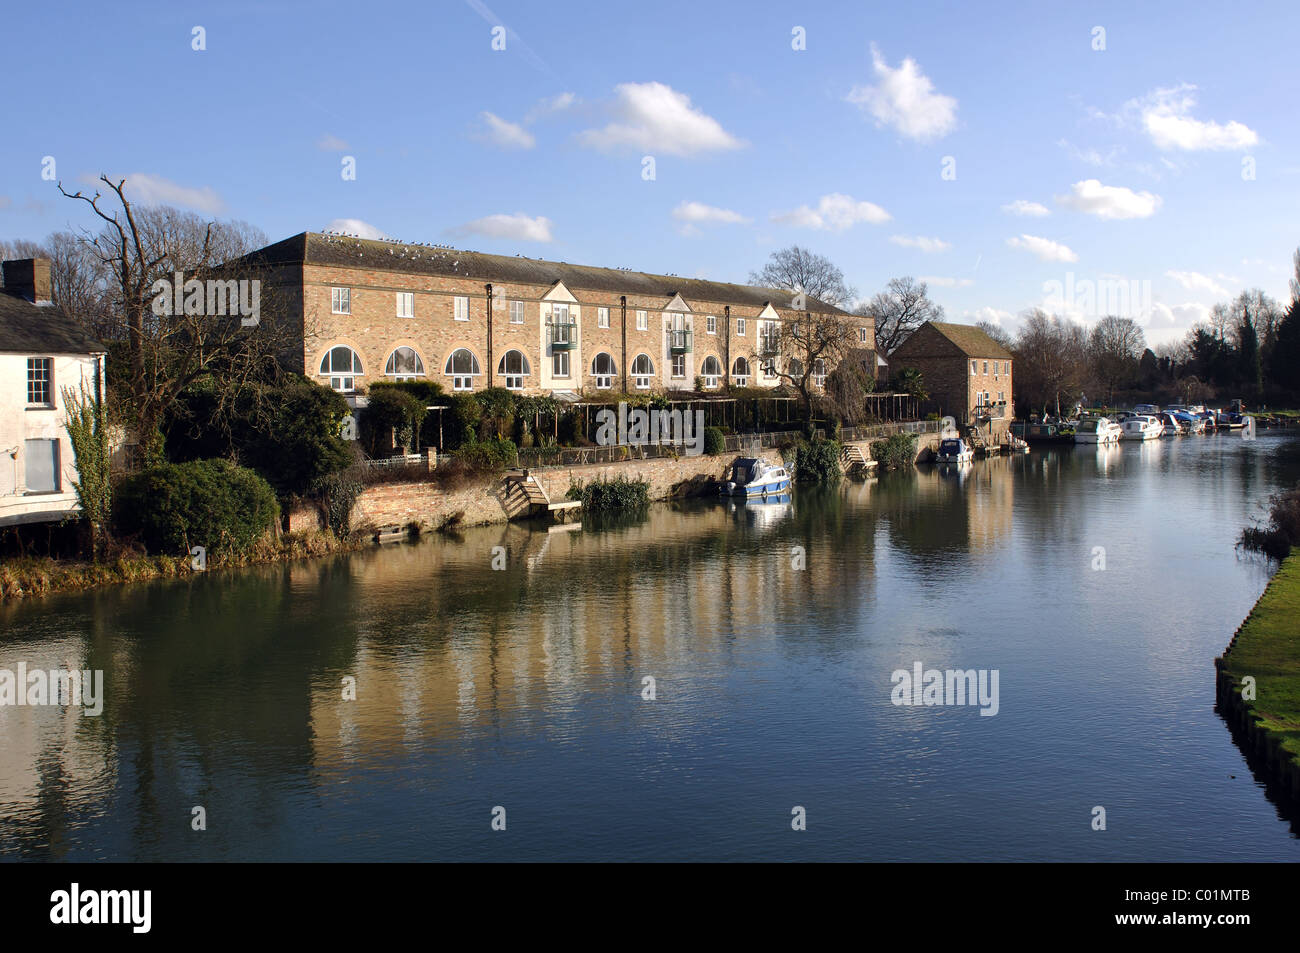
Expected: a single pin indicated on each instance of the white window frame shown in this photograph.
(514, 381)
(602, 317)
(560, 366)
(419, 363)
(406, 304)
(673, 371)
(46, 381)
(740, 327)
(516, 312)
(862, 335)
(604, 381)
(974, 365)
(460, 307)
(340, 300)
(710, 324)
(643, 381)
(819, 373)
(642, 322)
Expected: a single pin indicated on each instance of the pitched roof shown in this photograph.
(968, 339)
(41, 329)
(318, 249)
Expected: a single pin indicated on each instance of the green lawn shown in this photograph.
(1268, 648)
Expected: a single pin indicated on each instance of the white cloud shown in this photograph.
(927, 245)
(150, 189)
(355, 226)
(1043, 248)
(940, 281)
(905, 98)
(1026, 209)
(1166, 117)
(1195, 281)
(834, 212)
(1109, 201)
(507, 135)
(658, 119)
(992, 315)
(551, 105)
(519, 226)
(1088, 156)
(699, 213)
(328, 143)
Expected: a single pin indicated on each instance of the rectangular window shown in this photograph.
(42, 466)
(769, 370)
(40, 380)
(560, 364)
(740, 327)
(641, 323)
(405, 304)
(711, 325)
(862, 335)
(516, 312)
(341, 300)
(461, 305)
(679, 365)
(602, 317)
(560, 313)
(973, 368)
(462, 383)
(1006, 367)
(986, 367)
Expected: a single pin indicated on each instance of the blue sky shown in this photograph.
(1128, 159)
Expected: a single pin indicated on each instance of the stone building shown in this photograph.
(370, 310)
(42, 350)
(966, 372)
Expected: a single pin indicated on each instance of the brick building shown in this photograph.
(381, 310)
(966, 372)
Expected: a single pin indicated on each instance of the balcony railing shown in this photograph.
(562, 335)
(680, 341)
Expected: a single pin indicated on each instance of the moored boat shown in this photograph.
(1141, 427)
(1097, 430)
(954, 450)
(753, 479)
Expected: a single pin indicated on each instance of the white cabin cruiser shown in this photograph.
(954, 450)
(1142, 427)
(1097, 430)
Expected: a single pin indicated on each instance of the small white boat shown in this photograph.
(954, 451)
(1097, 430)
(1142, 428)
(754, 479)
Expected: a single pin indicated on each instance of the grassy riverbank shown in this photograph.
(24, 577)
(1267, 648)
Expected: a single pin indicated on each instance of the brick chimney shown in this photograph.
(29, 278)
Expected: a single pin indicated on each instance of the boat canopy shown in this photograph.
(744, 469)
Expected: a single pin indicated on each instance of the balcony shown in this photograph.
(562, 335)
(680, 341)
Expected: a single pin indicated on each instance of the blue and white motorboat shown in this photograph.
(754, 479)
(954, 450)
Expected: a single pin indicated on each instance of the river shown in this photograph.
(1099, 585)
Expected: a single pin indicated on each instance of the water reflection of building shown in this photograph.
(452, 646)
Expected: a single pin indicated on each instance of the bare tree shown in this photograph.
(997, 333)
(1051, 359)
(1114, 347)
(899, 310)
(796, 269)
(801, 350)
(169, 349)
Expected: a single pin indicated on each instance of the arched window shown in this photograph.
(796, 368)
(404, 364)
(341, 366)
(462, 367)
(513, 366)
(603, 369)
(643, 370)
(711, 370)
(819, 372)
(740, 372)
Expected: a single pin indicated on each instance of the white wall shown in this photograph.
(19, 424)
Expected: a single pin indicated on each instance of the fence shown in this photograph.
(394, 463)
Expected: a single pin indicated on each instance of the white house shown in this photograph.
(42, 350)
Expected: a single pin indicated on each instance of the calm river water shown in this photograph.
(523, 688)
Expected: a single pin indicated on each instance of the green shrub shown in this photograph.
(817, 462)
(489, 455)
(714, 442)
(894, 452)
(606, 496)
(391, 415)
(173, 507)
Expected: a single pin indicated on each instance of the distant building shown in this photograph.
(966, 372)
(42, 350)
(381, 310)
